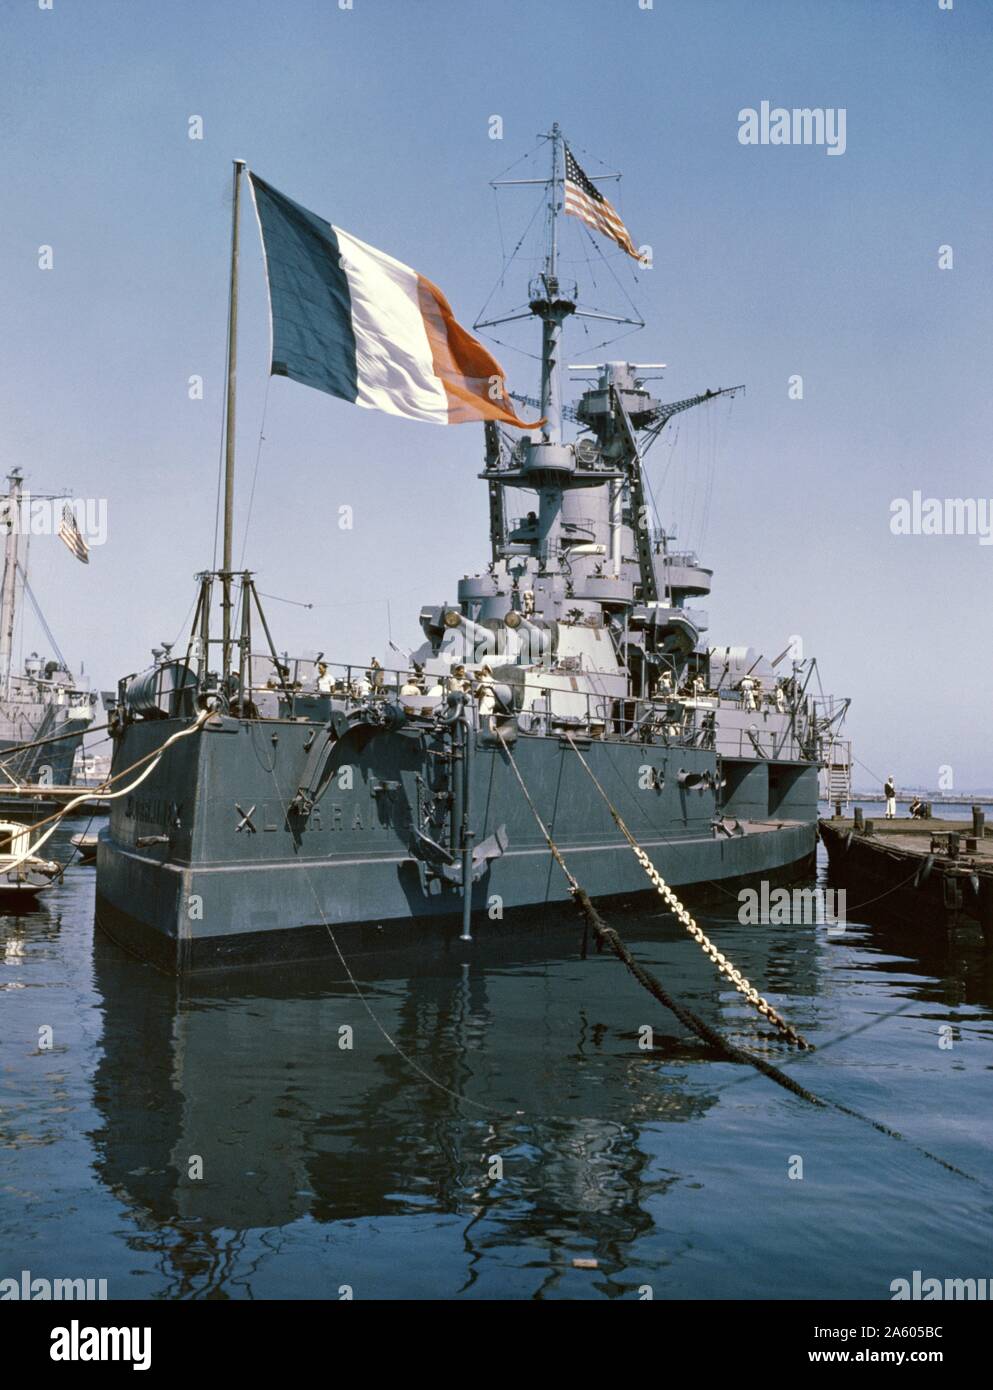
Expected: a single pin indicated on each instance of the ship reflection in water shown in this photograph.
(328, 1167)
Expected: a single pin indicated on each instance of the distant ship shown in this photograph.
(41, 704)
(302, 807)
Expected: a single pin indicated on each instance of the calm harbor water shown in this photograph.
(325, 1166)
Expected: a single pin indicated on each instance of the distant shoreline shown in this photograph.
(978, 799)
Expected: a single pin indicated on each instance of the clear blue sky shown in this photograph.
(769, 261)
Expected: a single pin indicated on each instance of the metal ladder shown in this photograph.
(838, 768)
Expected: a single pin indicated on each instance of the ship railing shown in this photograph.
(573, 523)
(354, 680)
(543, 708)
(604, 716)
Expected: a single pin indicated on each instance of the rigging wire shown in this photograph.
(499, 222)
(614, 276)
(509, 260)
(40, 615)
(363, 996)
(296, 603)
(874, 775)
(184, 625)
(606, 342)
(220, 446)
(521, 158)
(692, 484)
(255, 473)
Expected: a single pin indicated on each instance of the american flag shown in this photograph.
(73, 537)
(585, 201)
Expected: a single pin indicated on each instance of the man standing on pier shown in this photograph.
(889, 791)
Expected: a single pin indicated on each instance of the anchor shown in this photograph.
(444, 864)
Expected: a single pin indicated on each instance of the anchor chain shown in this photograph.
(727, 968)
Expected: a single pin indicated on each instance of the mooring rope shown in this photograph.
(53, 738)
(608, 936)
(726, 967)
(153, 759)
(360, 993)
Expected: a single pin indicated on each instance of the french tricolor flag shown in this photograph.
(358, 324)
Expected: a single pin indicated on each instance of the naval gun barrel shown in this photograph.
(535, 631)
(480, 642)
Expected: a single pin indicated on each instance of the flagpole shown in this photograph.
(229, 428)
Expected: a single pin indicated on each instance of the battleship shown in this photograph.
(44, 710)
(270, 807)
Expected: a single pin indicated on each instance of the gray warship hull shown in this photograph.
(50, 761)
(207, 865)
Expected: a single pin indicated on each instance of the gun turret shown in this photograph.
(480, 642)
(534, 633)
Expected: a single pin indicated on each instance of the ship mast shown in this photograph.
(229, 428)
(235, 681)
(11, 567)
(548, 305)
(550, 300)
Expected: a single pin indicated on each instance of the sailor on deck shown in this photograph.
(699, 687)
(779, 695)
(748, 692)
(457, 681)
(486, 696)
(665, 688)
(414, 684)
(325, 681)
(889, 791)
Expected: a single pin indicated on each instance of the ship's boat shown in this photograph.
(85, 845)
(23, 875)
(285, 807)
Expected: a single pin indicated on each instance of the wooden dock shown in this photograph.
(933, 873)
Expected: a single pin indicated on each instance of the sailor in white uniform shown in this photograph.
(486, 697)
(412, 685)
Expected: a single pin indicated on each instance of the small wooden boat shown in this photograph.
(22, 878)
(86, 847)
